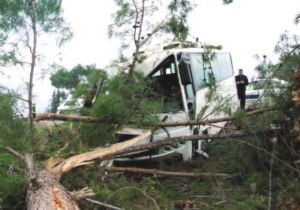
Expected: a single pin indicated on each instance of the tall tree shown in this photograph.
(22, 22)
(133, 21)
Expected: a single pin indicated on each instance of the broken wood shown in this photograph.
(130, 146)
(89, 119)
(44, 190)
(174, 140)
(156, 172)
(88, 157)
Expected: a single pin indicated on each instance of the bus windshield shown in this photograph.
(219, 67)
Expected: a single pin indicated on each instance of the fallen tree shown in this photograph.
(45, 191)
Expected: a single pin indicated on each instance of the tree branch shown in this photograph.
(15, 153)
(133, 146)
(156, 172)
(28, 161)
(88, 157)
(75, 118)
(82, 194)
(107, 206)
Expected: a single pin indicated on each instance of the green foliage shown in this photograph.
(15, 17)
(121, 104)
(13, 134)
(133, 22)
(177, 24)
(121, 190)
(79, 74)
(289, 50)
(91, 83)
(278, 93)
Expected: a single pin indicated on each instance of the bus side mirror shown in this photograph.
(185, 73)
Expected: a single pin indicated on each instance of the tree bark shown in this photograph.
(49, 195)
(64, 117)
(44, 190)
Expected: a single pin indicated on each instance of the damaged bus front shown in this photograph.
(183, 78)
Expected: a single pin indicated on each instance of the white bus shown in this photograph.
(182, 76)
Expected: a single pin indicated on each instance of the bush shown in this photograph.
(12, 133)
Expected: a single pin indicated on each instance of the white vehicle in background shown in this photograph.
(181, 76)
(70, 106)
(261, 89)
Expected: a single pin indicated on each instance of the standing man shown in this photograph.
(241, 82)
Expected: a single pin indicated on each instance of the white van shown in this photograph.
(70, 106)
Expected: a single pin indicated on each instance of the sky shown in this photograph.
(244, 28)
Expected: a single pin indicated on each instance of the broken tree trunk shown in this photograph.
(49, 194)
(44, 189)
(102, 153)
(89, 119)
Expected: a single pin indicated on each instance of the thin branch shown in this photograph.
(107, 206)
(15, 153)
(275, 71)
(271, 155)
(156, 172)
(28, 161)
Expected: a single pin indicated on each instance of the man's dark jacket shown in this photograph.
(241, 88)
